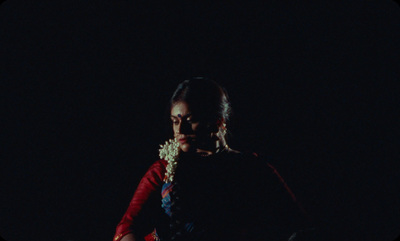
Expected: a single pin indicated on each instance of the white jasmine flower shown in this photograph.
(170, 152)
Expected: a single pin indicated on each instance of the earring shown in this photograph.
(224, 129)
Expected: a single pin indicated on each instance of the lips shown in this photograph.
(182, 140)
(185, 139)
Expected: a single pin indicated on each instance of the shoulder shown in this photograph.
(240, 154)
(258, 168)
(245, 158)
(253, 159)
(159, 165)
(242, 164)
(156, 172)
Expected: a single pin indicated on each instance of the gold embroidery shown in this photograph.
(118, 236)
(155, 236)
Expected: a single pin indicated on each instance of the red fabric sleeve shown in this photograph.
(147, 191)
(290, 192)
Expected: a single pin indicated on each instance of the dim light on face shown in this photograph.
(190, 132)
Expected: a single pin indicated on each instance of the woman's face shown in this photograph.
(190, 132)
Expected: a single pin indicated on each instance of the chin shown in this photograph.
(186, 147)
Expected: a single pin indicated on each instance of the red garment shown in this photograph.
(147, 192)
(261, 182)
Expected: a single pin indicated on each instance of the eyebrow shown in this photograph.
(188, 114)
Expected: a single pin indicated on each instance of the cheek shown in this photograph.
(196, 127)
(185, 147)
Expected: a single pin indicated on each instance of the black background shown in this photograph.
(85, 85)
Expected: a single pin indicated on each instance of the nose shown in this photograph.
(177, 128)
(183, 128)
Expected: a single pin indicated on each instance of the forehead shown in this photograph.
(180, 109)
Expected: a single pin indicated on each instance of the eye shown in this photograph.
(175, 122)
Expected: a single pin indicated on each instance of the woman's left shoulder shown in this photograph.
(244, 156)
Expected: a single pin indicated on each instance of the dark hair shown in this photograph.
(205, 97)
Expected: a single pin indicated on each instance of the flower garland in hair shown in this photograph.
(170, 152)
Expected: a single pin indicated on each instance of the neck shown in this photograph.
(212, 149)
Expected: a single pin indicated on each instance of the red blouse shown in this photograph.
(142, 212)
(147, 192)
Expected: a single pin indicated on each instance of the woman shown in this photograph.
(203, 190)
